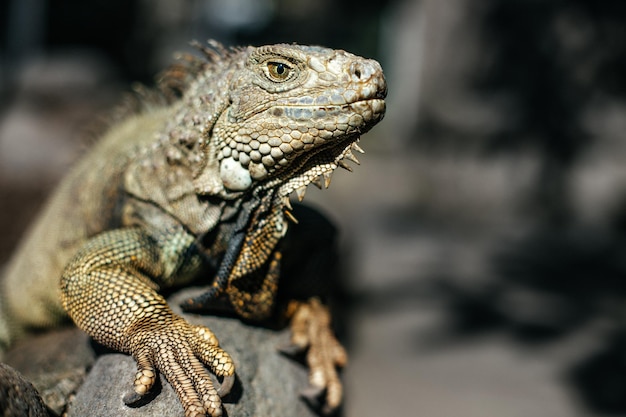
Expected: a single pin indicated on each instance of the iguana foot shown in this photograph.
(179, 350)
(311, 329)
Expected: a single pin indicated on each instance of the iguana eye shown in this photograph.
(278, 71)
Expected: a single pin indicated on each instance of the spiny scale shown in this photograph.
(323, 181)
(327, 177)
(357, 148)
(290, 216)
(350, 156)
(287, 203)
(344, 165)
(317, 182)
(300, 192)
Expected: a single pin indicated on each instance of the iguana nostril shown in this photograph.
(357, 71)
(364, 70)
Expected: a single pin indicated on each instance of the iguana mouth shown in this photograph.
(317, 165)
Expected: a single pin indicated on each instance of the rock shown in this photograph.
(18, 397)
(268, 384)
(55, 362)
(109, 380)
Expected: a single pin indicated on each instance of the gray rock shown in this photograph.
(55, 362)
(108, 381)
(268, 384)
(18, 397)
(62, 366)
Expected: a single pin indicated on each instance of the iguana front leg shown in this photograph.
(109, 292)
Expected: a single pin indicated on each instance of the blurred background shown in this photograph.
(484, 236)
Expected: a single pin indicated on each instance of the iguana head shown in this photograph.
(294, 114)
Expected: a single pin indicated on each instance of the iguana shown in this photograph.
(195, 185)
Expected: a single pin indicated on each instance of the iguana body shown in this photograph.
(186, 184)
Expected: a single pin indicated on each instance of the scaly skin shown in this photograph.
(197, 180)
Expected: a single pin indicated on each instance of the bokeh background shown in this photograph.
(484, 236)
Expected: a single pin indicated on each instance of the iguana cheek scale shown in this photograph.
(197, 178)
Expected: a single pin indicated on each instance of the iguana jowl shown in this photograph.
(200, 175)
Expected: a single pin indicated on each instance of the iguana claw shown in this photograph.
(224, 388)
(291, 350)
(314, 397)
